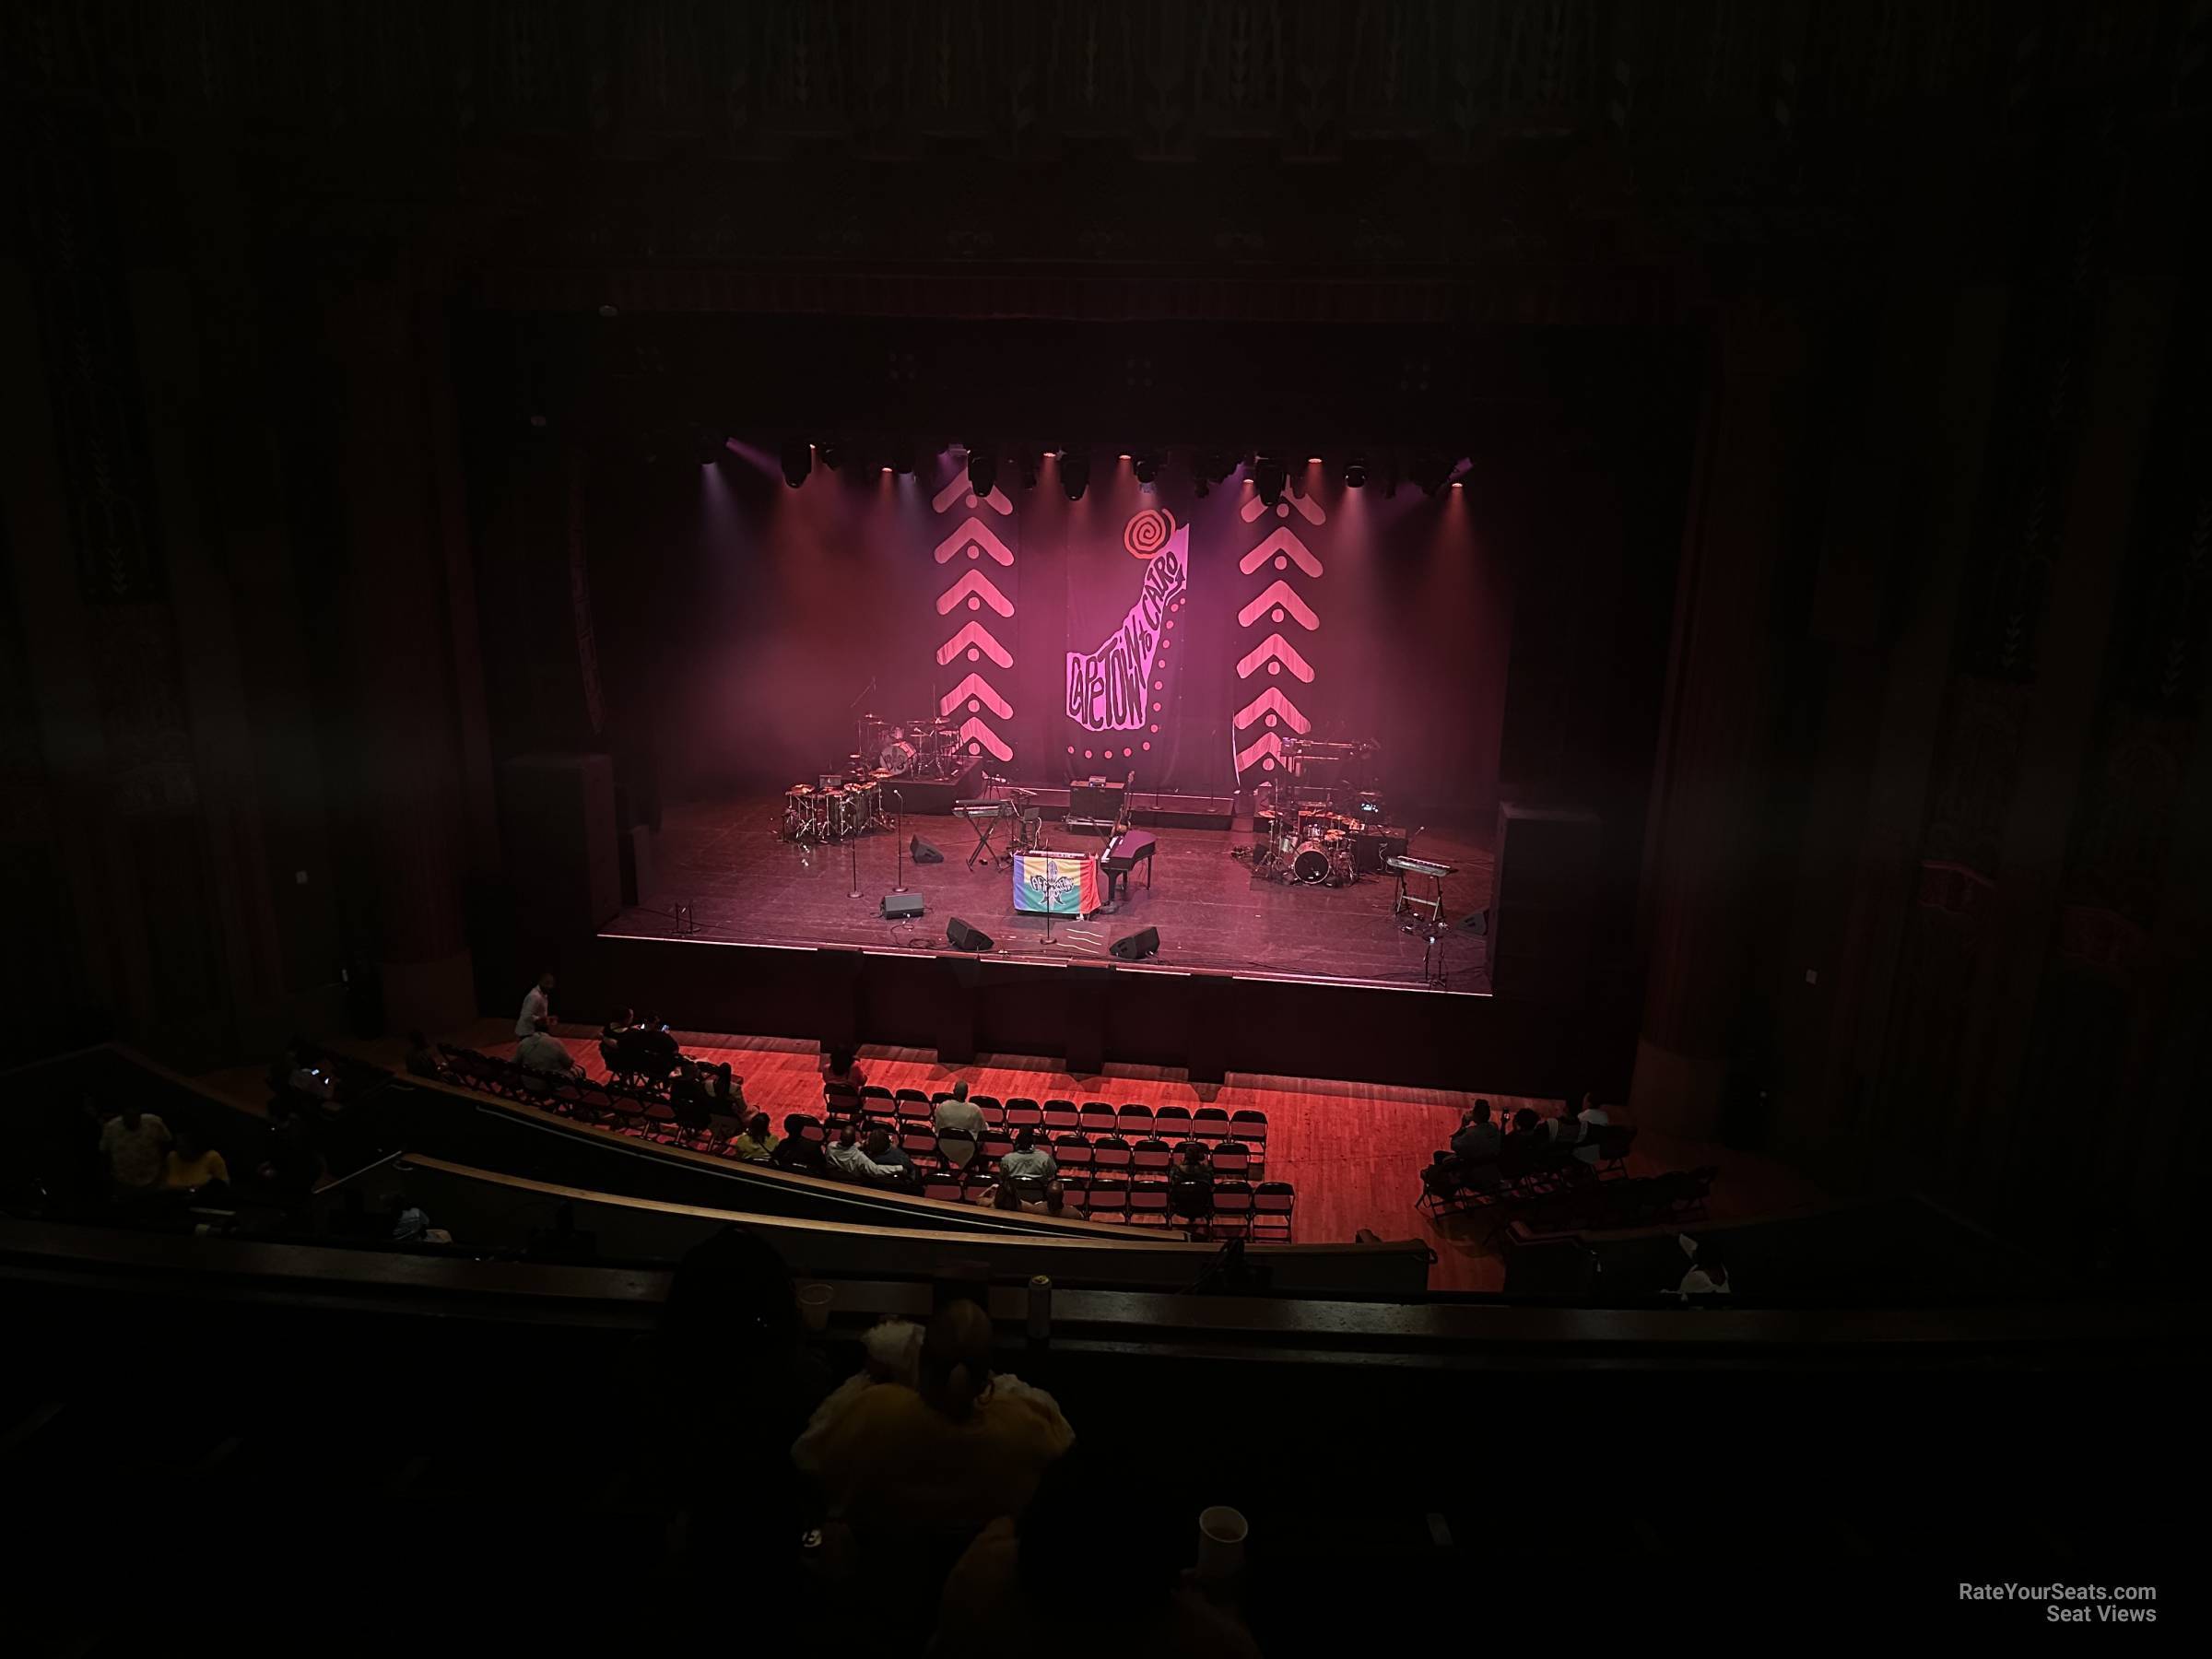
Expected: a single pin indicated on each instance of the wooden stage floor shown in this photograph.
(745, 885)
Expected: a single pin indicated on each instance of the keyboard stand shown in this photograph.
(985, 826)
(1406, 901)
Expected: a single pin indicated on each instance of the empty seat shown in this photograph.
(1024, 1115)
(1251, 1127)
(947, 1187)
(1210, 1124)
(1061, 1117)
(1107, 1199)
(807, 1126)
(1111, 1153)
(875, 1091)
(1133, 1122)
(1095, 1118)
(1072, 1151)
(1232, 1159)
(1148, 1203)
(919, 1142)
(1232, 1207)
(996, 1143)
(911, 1103)
(1172, 1123)
(1152, 1157)
(1271, 1204)
(989, 1104)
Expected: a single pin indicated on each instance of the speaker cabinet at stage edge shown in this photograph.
(1137, 947)
(964, 935)
(900, 907)
(921, 852)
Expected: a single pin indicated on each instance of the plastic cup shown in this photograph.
(1221, 1532)
(815, 1302)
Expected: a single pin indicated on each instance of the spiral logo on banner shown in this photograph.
(1149, 532)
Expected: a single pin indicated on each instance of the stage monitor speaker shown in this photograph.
(964, 937)
(1477, 923)
(1137, 947)
(901, 907)
(1543, 908)
(921, 852)
(556, 817)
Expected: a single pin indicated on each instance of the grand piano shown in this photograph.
(1128, 849)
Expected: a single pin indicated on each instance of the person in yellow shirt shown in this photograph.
(933, 1463)
(190, 1166)
(757, 1141)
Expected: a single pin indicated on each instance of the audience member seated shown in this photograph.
(1027, 1161)
(726, 1091)
(963, 1120)
(1566, 1130)
(758, 1144)
(543, 1053)
(687, 1097)
(1708, 1274)
(1016, 1582)
(1527, 1138)
(424, 1059)
(730, 1330)
(1191, 1183)
(135, 1145)
(796, 1152)
(191, 1167)
(1477, 1140)
(1595, 1117)
(847, 1157)
(913, 1472)
(891, 1352)
(411, 1225)
(887, 1155)
(844, 1070)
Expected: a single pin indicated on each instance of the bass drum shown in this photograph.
(1316, 863)
(897, 756)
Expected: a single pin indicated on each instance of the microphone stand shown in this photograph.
(899, 841)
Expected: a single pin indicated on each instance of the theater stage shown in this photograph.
(743, 884)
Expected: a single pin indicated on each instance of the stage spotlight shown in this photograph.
(1355, 473)
(1075, 472)
(798, 461)
(1148, 466)
(982, 469)
(1268, 480)
(832, 455)
(902, 457)
(1428, 471)
(709, 446)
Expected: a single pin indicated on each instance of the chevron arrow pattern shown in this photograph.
(972, 538)
(1271, 651)
(976, 688)
(1272, 560)
(973, 542)
(1283, 601)
(975, 640)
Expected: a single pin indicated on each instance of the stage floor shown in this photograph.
(745, 885)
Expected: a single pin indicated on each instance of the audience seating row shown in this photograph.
(1241, 1209)
(1449, 1184)
(1057, 1117)
(1075, 1153)
(1640, 1201)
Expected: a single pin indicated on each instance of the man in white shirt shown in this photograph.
(537, 1008)
(962, 1120)
(847, 1157)
(1708, 1274)
(1027, 1161)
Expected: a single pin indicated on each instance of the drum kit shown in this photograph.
(1323, 828)
(835, 807)
(927, 747)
